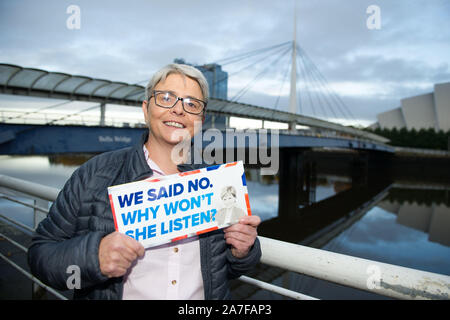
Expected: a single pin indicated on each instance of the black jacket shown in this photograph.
(81, 216)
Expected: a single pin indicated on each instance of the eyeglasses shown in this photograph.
(166, 99)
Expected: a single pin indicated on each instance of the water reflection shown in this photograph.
(431, 219)
(37, 169)
(382, 217)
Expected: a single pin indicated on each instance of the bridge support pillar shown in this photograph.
(360, 170)
(292, 126)
(102, 114)
(296, 182)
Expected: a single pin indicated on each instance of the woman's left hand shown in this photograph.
(241, 236)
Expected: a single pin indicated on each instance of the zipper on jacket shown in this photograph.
(205, 267)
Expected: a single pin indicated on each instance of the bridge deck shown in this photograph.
(20, 139)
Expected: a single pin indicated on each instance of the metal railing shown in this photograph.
(372, 276)
(67, 118)
(422, 152)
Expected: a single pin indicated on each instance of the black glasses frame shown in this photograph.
(155, 92)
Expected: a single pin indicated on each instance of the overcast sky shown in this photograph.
(127, 41)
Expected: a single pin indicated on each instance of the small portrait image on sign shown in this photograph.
(230, 213)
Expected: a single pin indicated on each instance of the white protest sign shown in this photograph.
(178, 206)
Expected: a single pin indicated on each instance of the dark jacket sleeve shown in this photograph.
(241, 266)
(56, 245)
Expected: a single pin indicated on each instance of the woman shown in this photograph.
(79, 229)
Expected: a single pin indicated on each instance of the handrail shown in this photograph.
(373, 276)
(30, 188)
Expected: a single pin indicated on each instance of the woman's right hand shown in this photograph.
(117, 252)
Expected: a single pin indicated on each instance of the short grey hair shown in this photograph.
(183, 69)
(228, 190)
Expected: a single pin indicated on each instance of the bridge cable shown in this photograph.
(242, 91)
(237, 58)
(74, 114)
(39, 110)
(321, 93)
(246, 67)
(327, 96)
(303, 76)
(282, 83)
(326, 85)
(314, 90)
(243, 56)
(330, 95)
(252, 82)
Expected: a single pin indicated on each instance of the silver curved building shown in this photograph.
(431, 110)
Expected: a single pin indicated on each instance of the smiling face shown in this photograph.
(229, 200)
(169, 126)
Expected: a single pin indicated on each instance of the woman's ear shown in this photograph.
(145, 106)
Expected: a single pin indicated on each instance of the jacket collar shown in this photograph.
(138, 165)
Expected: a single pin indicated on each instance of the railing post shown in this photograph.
(286, 281)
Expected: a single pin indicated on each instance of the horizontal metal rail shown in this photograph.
(2, 196)
(29, 188)
(35, 117)
(17, 223)
(276, 289)
(15, 243)
(26, 273)
(373, 276)
(32, 278)
(421, 151)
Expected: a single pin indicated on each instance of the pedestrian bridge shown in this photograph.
(32, 139)
(17, 80)
(50, 137)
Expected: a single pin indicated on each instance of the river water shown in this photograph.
(406, 223)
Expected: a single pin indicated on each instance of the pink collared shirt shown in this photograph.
(171, 271)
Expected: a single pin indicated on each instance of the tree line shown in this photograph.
(423, 138)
